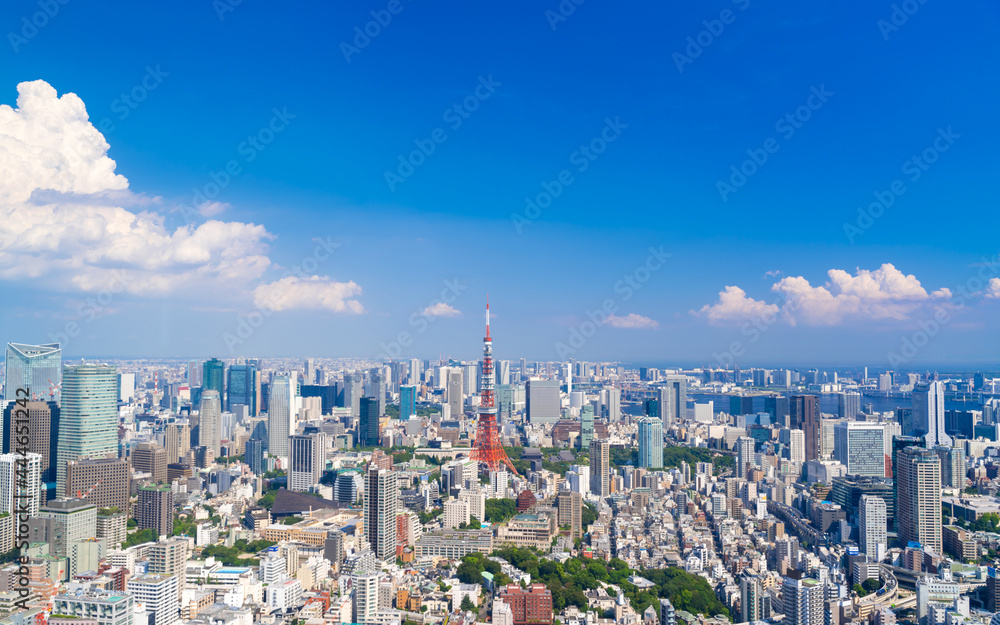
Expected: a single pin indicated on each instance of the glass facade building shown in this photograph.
(34, 367)
(650, 443)
(88, 423)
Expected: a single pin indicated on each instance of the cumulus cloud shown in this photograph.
(65, 218)
(632, 321)
(993, 289)
(885, 293)
(310, 293)
(734, 306)
(441, 310)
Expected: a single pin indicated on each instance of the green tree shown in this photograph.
(467, 605)
(871, 585)
(474, 523)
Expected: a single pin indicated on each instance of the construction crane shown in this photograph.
(90, 490)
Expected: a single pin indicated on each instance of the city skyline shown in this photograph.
(735, 199)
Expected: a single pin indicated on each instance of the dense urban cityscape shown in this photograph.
(322, 491)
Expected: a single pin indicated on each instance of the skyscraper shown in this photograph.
(213, 376)
(650, 443)
(673, 400)
(570, 512)
(254, 456)
(454, 391)
(600, 458)
(860, 447)
(899, 443)
(804, 415)
(37, 368)
(407, 402)
(211, 421)
(587, 426)
(918, 505)
(381, 499)
(795, 442)
(155, 509)
(849, 406)
(242, 387)
(368, 422)
(308, 459)
(151, 458)
(744, 456)
(281, 398)
(88, 423)
(928, 413)
(378, 387)
(542, 401)
(352, 393)
(613, 406)
(952, 466)
(872, 521)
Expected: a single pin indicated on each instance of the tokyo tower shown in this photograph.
(487, 449)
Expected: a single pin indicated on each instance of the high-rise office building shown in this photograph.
(20, 483)
(673, 400)
(542, 401)
(407, 401)
(377, 385)
(804, 415)
(308, 459)
(126, 387)
(802, 599)
(210, 416)
(744, 456)
(570, 512)
(36, 368)
(849, 406)
(454, 393)
(873, 526)
(242, 387)
(650, 443)
(860, 447)
(918, 505)
(254, 456)
(600, 459)
(900, 443)
(381, 503)
(613, 404)
(952, 466)
(587, 426)
(151, 458)
(928, 413)
(156, 509)
(795, 444)
(107, 480)
(42, 434)
(352, 393)
(280, 412)
(368, 430)
(213, 376)
(88, 421)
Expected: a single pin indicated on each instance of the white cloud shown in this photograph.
(440, 310)
(211, 209)
(734, 306)
(632, 320)
(993, 289)
(312, 293)
(885, 293)
(880, 294)
(64, 221)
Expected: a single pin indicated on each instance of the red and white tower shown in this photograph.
(487, 448)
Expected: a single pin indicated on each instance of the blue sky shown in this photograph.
(892, 84)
